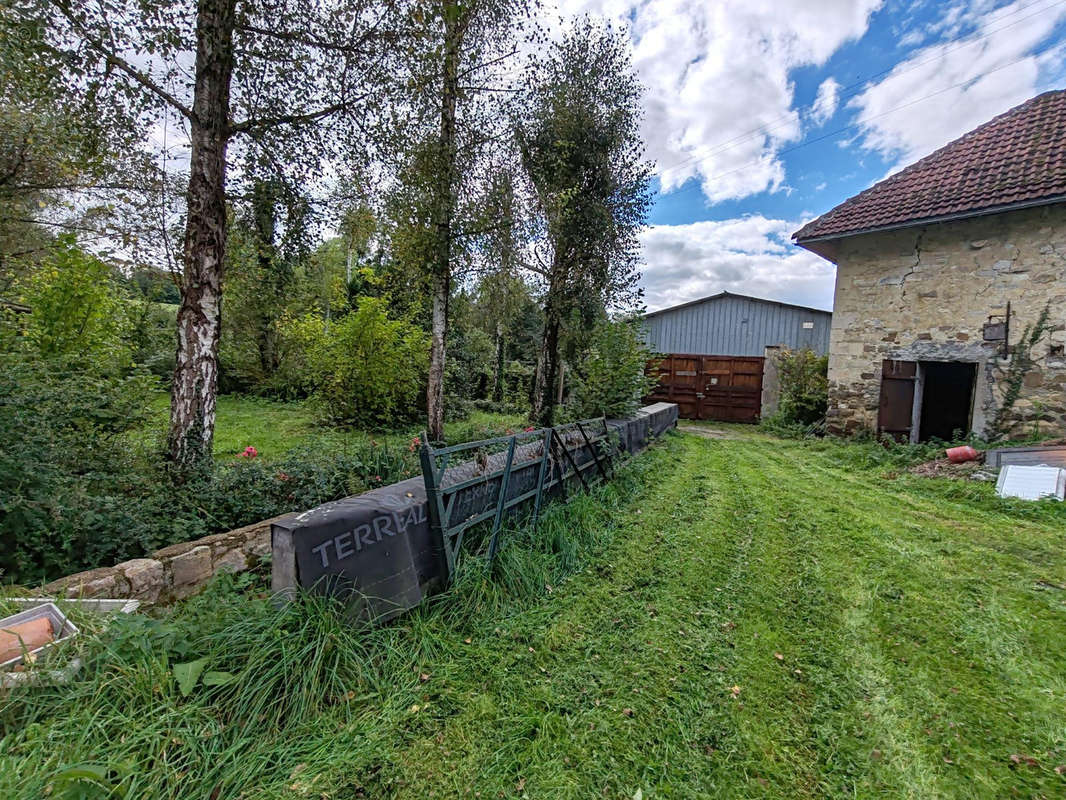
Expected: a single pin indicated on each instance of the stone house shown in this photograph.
(941, 268)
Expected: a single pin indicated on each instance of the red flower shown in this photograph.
(249, 452)
(530, 428)
(414, 443)
(283, 476)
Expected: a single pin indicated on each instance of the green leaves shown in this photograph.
(188, 675)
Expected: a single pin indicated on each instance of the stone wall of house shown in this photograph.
(925, 293)
(174, 572)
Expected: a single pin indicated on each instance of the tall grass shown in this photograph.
(276, 688)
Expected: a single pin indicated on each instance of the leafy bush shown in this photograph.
(363, 369)
(610, 380)
(77, 497)
(77, 308)
(804, 388)
(63, 458)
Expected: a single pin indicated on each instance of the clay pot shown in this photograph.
(25, 636)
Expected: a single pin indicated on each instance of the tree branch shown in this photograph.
(262, 123)
(117, 61)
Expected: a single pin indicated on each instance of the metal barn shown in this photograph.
(714, 351)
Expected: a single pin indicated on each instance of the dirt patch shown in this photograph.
(706, 433)
(942, 468)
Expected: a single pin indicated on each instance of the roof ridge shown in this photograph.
(726, 293)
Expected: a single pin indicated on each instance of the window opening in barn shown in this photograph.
(808, 326)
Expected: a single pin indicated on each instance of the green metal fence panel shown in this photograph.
(548, 459)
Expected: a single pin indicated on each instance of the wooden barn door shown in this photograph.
(895, 414)
(723, 388)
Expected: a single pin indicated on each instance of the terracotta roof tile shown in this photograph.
(1018, 157)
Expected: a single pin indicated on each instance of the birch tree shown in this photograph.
(290, 81)
(452, 120)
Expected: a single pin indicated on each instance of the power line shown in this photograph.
(846, 90)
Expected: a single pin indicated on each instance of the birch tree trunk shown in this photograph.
(195, 385)
(438, 334)
(497, 379)
(442, 276)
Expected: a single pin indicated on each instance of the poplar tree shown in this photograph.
(451, 123)
(577, 124)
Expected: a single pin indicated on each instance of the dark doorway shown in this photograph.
(947, 398)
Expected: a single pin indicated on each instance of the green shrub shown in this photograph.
(610, 380)
(363, 369)
(78, 309)
(58, 520)
(63, 457)
(804, 390)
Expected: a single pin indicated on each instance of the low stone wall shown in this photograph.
(174, 572)
(180, 570)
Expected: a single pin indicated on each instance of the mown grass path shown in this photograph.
(767, 623)
(732, 618)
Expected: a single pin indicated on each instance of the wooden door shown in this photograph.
(724, 388)
(895, 414)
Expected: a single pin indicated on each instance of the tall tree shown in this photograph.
(578, 129)
(502, 290)
(51, 145)
(453, 118)
(263, 79)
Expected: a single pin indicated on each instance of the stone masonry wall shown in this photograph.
(924, 294)
(174, 572)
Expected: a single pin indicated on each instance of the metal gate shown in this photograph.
(724, 388)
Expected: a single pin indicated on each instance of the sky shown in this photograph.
(762, 114)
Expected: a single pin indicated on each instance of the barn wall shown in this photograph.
(736, 326)
(925, 293)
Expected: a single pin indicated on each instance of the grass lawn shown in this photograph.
(744, 617)
(274, 427)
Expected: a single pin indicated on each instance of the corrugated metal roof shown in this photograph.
(733, 294)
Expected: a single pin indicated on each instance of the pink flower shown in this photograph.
(414, 443)
(530, 428)
(249, 452)
(377, 478)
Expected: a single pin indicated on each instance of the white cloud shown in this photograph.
(748, 255)
(719, 102)
(825, 102)
(971, 83)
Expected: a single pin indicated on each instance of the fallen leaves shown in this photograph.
(1018, 760)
